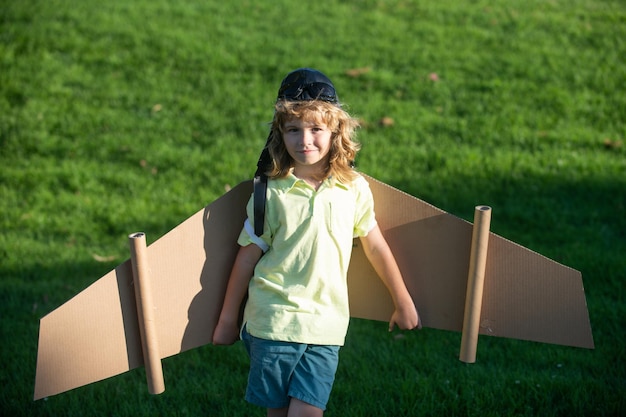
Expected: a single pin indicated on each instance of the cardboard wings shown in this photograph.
(167, 298)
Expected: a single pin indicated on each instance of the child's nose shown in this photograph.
(306, 136)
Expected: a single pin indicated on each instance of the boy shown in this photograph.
(295, 270)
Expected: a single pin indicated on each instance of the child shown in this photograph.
(296, 316)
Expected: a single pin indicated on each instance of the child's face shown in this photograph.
(308, 143)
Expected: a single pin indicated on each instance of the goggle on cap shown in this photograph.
(307, 84)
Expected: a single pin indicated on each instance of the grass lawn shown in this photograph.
(123, 116)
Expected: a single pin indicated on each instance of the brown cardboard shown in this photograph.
(96, 334)
(526, 295)
(145, 312)
(475, 284)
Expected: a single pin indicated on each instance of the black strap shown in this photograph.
(260, 192)
(260, 189)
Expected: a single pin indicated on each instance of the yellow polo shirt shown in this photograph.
(299, 291)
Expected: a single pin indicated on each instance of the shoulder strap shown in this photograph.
(260, 190)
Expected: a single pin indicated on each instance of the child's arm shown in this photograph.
(227, 329)
(382, 259)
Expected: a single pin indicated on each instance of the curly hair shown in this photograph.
(343, 147)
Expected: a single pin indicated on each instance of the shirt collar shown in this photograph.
(290, 181)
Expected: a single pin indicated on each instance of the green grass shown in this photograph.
(126, 116)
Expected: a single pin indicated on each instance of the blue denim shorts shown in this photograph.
(280, 371)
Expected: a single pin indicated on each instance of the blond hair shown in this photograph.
(343, 148)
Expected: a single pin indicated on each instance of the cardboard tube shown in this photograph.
(475, 281)
(145, 310)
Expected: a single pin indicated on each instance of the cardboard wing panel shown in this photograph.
(526, 295)
(95, 335)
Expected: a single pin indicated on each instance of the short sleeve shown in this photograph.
(365, 217)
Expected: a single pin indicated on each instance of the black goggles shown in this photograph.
(312, 91)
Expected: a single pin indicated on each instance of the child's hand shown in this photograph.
(405, 317)
(225, 333)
